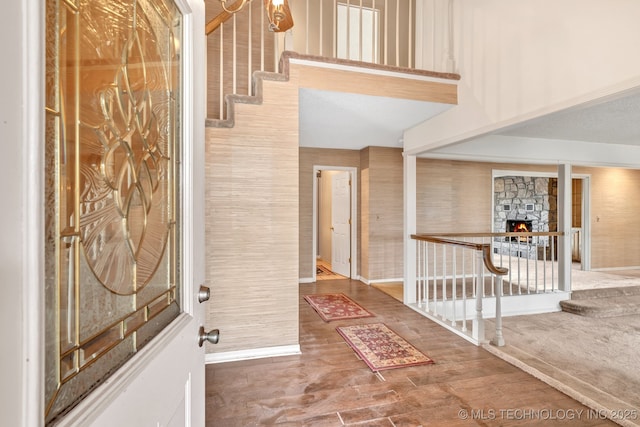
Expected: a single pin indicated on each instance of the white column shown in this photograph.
(564, 225)
(410, 207)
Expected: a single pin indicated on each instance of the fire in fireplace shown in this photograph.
(519, 226)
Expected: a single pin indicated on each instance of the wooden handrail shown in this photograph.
(504, 234)
(434, 239)
(484, 247)
(221, 18)
(488, 262)
(285, 24)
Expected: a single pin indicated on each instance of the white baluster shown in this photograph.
(444, 282)
(386, 31)
(335, 27)
(307, 25)
(464, 290)
(262, 17)
(425, 260)
(221, 72)
(249, 52)
(419, 272)
(454, 287)
(553, 263)
(435, 280)
(477, 330)
(321, 26)
(410, 34)
(360, 34)
(234, 54)
(397, 33)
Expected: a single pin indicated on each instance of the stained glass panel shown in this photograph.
(112, 144)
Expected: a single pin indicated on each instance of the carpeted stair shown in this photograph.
(606, 302)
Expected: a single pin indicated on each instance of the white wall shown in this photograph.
(522, 59)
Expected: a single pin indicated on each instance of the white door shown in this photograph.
(163, 384)
(341, 223)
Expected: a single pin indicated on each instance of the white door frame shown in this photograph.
(585, 257)
(354, 217)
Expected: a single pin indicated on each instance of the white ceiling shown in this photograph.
(604, 133)
(352, 121)
(612, 122)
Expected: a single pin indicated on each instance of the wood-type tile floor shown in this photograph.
(327, 385)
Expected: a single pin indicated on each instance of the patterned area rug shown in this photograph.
(381, 348)
(336, 307)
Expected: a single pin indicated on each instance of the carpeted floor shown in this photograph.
(594, 360)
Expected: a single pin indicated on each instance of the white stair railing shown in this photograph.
(461, 279)
(374, 31)
(378, 31)
(453, 277)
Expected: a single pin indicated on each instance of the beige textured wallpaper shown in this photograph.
(455, 196)
(252, 225)
(384, 214)
(615, 207)
(259, 206)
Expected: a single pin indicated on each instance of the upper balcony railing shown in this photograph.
(373, 31)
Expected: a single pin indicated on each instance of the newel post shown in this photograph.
(498, 340)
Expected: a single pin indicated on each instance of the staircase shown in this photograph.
(606, 302)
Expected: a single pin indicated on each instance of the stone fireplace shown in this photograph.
(523, 203)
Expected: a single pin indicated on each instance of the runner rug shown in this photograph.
(381, 348)
(336, 307)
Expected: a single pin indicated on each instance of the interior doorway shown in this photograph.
(335, 220)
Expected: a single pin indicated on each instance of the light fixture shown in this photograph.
(279, 15)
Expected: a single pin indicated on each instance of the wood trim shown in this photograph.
(365, 83)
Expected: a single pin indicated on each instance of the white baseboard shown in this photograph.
(254, 353)
(605, 269)
(306, 280)
(371, 282)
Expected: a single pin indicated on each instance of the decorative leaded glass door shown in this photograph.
(114, 214)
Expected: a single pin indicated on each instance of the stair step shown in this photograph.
(231, 100)
(603, 306)
(605, 292)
